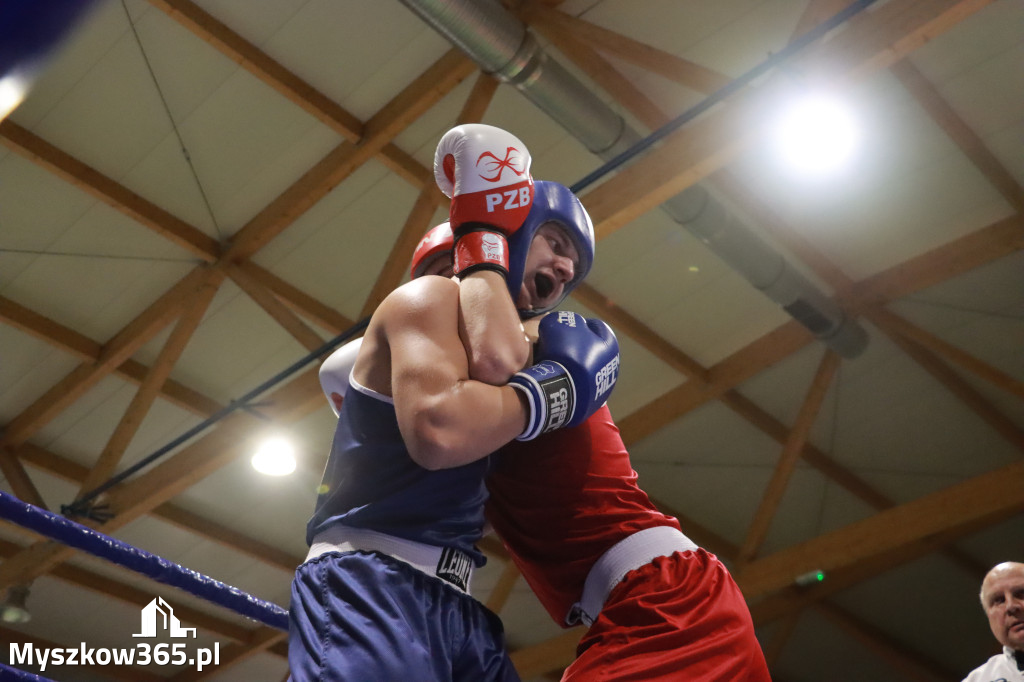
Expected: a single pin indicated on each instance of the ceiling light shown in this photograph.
(816, 134)
(13, 88)
(275, 457)
(13, 609)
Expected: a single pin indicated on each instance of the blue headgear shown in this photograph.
(552, 202)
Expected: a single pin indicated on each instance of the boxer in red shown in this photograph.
(597, 552)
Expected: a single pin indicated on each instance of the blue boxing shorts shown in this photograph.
(367, 617)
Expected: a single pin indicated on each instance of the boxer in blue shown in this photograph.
(384, 592)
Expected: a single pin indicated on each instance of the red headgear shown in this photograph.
(438, 241)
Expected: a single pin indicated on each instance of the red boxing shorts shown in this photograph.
(680, 617)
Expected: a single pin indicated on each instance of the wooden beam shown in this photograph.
(960, 133)
(879, 38)
(974, 250)
(502, 590)
(603, 72)
(768, 220)
(52, 463)
(403, 109)
(777, 431)
(548, 656)
(479, 100)
(780, 638)
(115, 195)
(272, 555)
(839, 474)
(951, 512)
(123, 344)
(795, 443)
(924, 339)
(274, 307)
(745, 408)
(296, 90)
(146, 395)
(233, 654)
(701, 535)
(682, 71)
(624, 323)
(84, 348)
(71, 471)
(955, 384)
(124, 592)
(491, 546)
(18, 479)
(139, 209)
(726, 375)
(909, 664)
(792, 599)
(419, 96)
(397, 262)
(1002, 238)
(288, 403)
(48, 331)
(239, 50)
(315, 311)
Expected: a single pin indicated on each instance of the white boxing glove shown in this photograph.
(335, 371)
(485, 171)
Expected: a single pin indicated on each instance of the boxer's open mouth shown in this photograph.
(543, 285)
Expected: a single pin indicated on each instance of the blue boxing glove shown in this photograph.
(577, 366)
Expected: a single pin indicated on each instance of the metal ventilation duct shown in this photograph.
(502, 46)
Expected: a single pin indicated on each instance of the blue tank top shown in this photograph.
(371, 482)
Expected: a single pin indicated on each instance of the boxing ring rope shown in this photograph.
(162, 570)
(14, 673)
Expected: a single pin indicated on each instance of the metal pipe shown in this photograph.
(502, 45)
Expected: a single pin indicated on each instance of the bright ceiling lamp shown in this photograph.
(275, 457)
(816, 134)
(13, 88)
(13, 609)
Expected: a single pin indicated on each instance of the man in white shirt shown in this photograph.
(1002, 598)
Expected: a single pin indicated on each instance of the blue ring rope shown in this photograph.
(9, 673)
(150, 565)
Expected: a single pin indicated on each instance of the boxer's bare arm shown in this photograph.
(495, 349)
(489, 326)
(412, 352)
